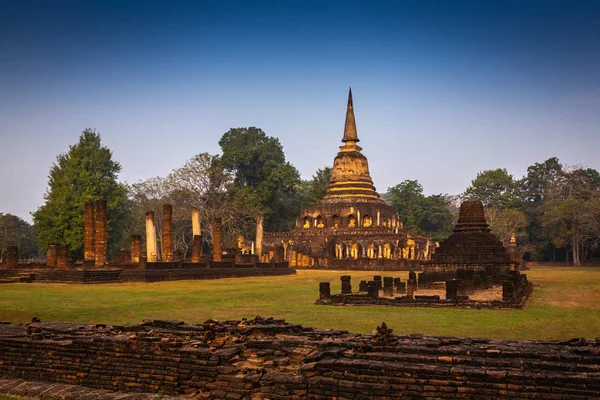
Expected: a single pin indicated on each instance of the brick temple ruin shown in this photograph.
(471, 253)
(351, 227)
(133, 264)
(266, 358)
(514, 293)
(471, 261)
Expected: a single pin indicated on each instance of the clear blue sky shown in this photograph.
(442, 89)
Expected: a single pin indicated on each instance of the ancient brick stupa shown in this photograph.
(471, 247)
(351, 227)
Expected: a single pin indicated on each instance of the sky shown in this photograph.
(442, 89)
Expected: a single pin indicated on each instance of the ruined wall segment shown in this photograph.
(263, 358)
(167, 229)
(89, 232)
(12, 257)
(217, 240)
(101, 236)
(136, 248)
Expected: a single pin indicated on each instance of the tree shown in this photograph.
(262, 174)
(201, 182)
(533, 188)
(429, 215)
(437, 219)
(311, 191)
(539, 177)
(85, 173)
(571, 211)
(16, 232)
(407, 200)
(506, 222)
(495, 188)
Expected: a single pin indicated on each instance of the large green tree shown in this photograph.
(533, 189)
(14, 231)
(85, 173)
(261, 172)
(495, 188)
(428, 215)
(313, 190)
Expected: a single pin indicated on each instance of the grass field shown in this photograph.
(565, 304)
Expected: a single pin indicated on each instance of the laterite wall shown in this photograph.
(266, 358)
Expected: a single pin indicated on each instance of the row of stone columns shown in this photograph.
(166, 237)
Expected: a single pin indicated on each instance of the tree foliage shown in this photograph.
(495, 188)
(85, 173)
(261, 172)
(571, 211)
(14, 231)
(428, 215)
(313, 190)
(201, 182)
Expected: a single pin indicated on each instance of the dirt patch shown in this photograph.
(494, 293)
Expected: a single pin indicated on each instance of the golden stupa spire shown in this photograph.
(350, 178)
(350, 134)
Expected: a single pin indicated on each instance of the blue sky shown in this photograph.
(442, 89)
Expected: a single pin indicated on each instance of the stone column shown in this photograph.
(62, 257)
(388, 286)
(195, 222)
(136, 248)
(196, 248)
(346, 286)
(167, 228)
(150, 237)
(324, 290)
(89, 231)
(12, 257)
(101, 234)
(217, 251)
(259, 234)
(51, 255)
(378, 218)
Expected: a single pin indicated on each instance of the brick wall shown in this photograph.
(266, 358)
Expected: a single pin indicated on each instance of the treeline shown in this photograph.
(553, 211)
(552, 207)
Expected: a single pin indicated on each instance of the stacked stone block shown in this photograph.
(217, 250)
(167, 231)
(101, 234)
(324, 290)
(62, 257)
(373, 289)
(346, 286)
(196, 249)
(51, 255)
(136, 248)
(377, 279)
(363, 286)
(12, 257)
(388, 286)
(89, 231)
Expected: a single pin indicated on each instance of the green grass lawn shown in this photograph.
(565, 304)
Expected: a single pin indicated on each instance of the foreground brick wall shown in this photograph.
(266, 358)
